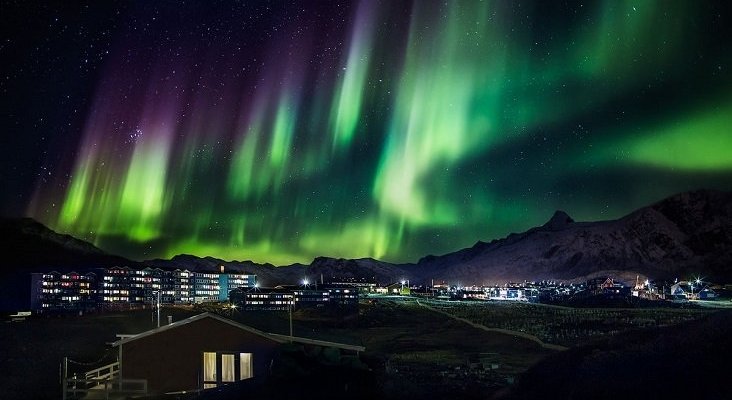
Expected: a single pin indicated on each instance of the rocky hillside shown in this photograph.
(690, 233)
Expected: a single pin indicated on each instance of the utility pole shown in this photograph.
(64, 373)
(158, 309)
(292, 305)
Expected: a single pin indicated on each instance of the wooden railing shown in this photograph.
(101, 383)
(102, 373)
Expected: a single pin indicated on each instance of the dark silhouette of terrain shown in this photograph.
(688, 360)
(29, 246)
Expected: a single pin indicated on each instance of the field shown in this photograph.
(415, 352)
(419, 352)
(563, 325)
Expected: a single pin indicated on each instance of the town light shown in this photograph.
(305, 282)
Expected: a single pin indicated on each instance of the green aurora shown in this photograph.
(406, 129)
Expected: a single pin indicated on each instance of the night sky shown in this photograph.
(279, 131)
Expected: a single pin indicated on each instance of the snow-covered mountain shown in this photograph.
(683, 235)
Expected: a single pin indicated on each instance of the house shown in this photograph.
(201, 352)
(680, 289)
(394, 288)
(707, 294)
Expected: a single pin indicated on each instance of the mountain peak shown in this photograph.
(559, 221)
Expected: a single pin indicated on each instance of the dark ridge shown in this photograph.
(29, 246)
(559, 221)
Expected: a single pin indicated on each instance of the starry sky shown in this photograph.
(277, 131)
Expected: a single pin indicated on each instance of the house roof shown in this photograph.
(272, 336)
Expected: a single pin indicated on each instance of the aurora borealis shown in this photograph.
(280, 131)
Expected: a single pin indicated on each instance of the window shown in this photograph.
(227, 368)
(245, 366)
(224, 367)
(209, 370)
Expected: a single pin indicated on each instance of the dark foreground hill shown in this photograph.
(29, 246)
(690, 233)
(689, 360)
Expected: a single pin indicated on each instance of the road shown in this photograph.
(522, 335)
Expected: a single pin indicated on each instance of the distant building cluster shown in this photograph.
(525, 291)
(123, 287)
(299, 297)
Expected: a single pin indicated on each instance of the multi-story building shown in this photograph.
(179, 283)
(117, 287)
(124, 287)
(343, 295)
(229, 282)
(299, 297)
(54, 291)
(269, 299)
(206, 287)
(311, 298)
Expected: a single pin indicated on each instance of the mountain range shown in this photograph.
(688, 234)
(683, 235)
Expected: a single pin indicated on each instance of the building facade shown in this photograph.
(124, 288)
(282, 298)
(54, 291)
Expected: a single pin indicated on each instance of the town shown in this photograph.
(120, 288)
(479, 340)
